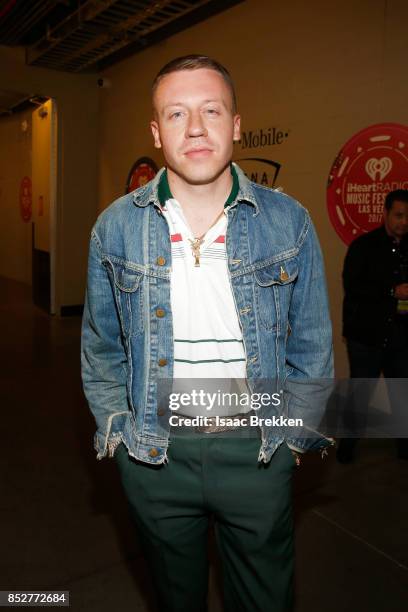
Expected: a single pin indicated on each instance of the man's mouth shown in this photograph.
(198, 152)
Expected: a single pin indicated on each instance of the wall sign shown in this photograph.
(263, 137)
(25, 200)
(143, 170)
(262, 169)
(370, 165)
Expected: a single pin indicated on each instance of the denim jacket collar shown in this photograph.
(148, 194)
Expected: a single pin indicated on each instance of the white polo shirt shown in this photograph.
(208, 339)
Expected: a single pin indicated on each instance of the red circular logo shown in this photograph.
(26, 203)
(143, 170)
(370, 165)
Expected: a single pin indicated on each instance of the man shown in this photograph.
(375, 316)
(202, 274)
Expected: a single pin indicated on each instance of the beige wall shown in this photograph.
(320, 70)
(76, 98)
(15, 163)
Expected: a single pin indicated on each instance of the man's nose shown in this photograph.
(195, 125)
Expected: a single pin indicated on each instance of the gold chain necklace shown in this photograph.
(198, 241)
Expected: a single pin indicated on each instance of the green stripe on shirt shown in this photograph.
(208, 360)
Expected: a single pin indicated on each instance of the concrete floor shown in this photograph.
(64, 521)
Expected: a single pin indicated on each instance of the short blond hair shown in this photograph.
(194, 62)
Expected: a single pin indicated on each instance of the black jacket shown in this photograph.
(374, 265)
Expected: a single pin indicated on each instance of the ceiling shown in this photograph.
(89, 35)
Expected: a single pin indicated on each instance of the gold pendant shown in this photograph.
(195, 247)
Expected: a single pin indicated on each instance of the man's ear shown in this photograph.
(154, 126)
(237, 128)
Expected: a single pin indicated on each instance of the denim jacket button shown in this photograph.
(161, 412)
(153, 452)
(162, 362)
(160, 313)
(161, 261)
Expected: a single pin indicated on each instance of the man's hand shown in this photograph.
(296, 457)
(401, 291)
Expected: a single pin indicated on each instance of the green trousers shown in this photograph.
(219, 479)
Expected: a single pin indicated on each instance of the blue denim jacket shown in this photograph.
(277, 278)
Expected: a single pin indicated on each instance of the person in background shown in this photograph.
(375, 315)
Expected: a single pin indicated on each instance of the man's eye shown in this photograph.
(176, 115)
(212, 111)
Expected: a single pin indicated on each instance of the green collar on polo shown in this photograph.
(164, 193)
(163, 189)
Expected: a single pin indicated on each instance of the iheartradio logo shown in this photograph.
(372, 163)
(379, 167)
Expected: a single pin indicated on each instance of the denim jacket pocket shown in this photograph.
(274, 284)
(127, 285)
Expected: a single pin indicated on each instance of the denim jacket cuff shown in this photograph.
(106, 442)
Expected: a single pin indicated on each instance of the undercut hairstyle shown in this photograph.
(400, 195)
(194, 62)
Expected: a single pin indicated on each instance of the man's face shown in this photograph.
(194, 124)
(396, 219)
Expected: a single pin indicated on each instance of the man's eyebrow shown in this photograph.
(172, 104)
(217, 100)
